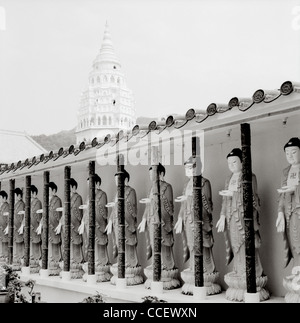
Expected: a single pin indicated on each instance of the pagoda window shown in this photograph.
(104, 121)
(99, 121)
(109, 121)
(105, 78)
(112, 79)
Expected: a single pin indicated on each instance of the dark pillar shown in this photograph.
(11, 221)
(248, 207)
(27, 221)
(45, 219)
(198, 217)
(157, 225)
(92, 219)
(121, 217)
(67, 224)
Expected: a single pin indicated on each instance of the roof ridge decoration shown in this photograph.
(177, 121)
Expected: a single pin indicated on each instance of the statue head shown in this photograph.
(161, 172)
(3, 196)
(73, 185)
(193, 167)
(292, 151)
(126, 177)
(34, 191)
(52, 189)
(19, 193)
(234, 160)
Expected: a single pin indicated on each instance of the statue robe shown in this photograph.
(167, 212)
(130, 227)
(55, 240)
(232, 208)
(18, 238)
(36, 239)
(3, 224)
(289, 204)
(186, 212)
(76, 238)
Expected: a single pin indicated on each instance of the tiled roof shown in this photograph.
(210, 117)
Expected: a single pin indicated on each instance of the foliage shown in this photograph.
(97, 298)
(152, 299)
(14, 286)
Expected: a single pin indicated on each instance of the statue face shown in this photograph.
(1, 199)
(189, 170)
(52, 192)
(33, 195)
(234, 164)
(293, 155)
(151, 174)
(18, 197)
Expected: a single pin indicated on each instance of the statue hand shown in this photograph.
(280, 222)
(39, 211)
(81, 228)
(142, 226)
(145, 200)
(178, 225)
(226, 193)
(6, 230)
(287, 189)
(108, 228)
(110, 204)
(221, 224)
(21, 229)
(83, 207)
(39, 229)
(21, 212)
(58, 229)
(180, 198)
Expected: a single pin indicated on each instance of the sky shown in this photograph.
(175, 54)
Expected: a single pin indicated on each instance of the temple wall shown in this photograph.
(268, 161)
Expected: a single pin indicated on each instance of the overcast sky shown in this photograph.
(175, 54)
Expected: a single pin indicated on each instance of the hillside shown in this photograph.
(63, 138)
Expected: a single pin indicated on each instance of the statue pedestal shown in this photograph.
(237, 287)
(76, 270)
(188, 276)
(34, 266)
(132, 274)
(54, 268)
(103, 273)
(169, 278)
(44, 273)
(292, 285)
(17, 264)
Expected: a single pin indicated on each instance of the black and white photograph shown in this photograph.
(150, 153)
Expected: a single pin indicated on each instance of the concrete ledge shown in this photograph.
(55, 290)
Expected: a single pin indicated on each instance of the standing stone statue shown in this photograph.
(18, 246)
(102, 263)
(55, 237)
(185, 226)
(4, 212)
(133, 270)
(77, 257)
(35, 234)
(288, 220)
(231, 222)
(170, 273)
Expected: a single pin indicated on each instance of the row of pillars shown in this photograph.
(198, 220)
